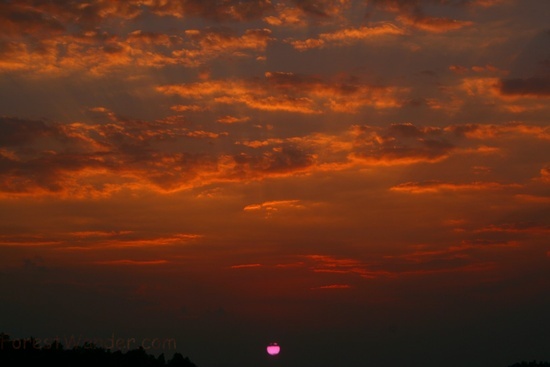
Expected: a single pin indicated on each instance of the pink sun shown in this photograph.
(273, 349)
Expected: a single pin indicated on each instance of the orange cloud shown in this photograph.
(347, 36)
(269, 208)
(517, 228)
(232, 119)
(96, 234)
(402, 144)
(459, 69)
(185, 108)
(533, 198)
(27, 241)
(290, 92)
(98, 160)
(437, 186)
(433, 24)
(97, 52)
(96, 240)
(510, 95)
(149, 242)
(285, 16)
(300, 13)
(132, 262)
(545, 175)
(227, 10)
(490, 131)
(329, 264)
(245, 266)
(332, 286)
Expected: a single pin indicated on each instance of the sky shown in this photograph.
(365, 182)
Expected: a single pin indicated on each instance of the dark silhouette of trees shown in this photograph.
(26, 352)
(29, 351)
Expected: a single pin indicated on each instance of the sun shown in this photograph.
(273, 349)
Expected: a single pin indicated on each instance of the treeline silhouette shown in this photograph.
(26, 352)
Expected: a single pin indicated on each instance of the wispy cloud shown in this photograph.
(132, 262)
(245, 266)
(347, 36)
(437, 186)
(332, 286)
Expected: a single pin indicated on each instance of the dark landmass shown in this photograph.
(28, 352)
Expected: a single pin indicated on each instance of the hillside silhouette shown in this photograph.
(27, 352)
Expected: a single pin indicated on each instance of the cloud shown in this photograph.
(245, 266)
(204, 45)
(290, 92)
(27, 241)
(528, 228)
(232, 119)
(94, 160)
(85, 159)
(117, 154)
(132, 262)
(433, 24)
(533, 198)
(283, 160)
(413, 13)
(333, 265)
(286, 15)
(438, 186)
(465, 257)
(98, 52)
(332, 286)
(220, 11)
(502, 94)
(97, 240)
(269, 208)
(544, 175)
(418, 6)
(255, 95)
(347, 36)
(65, 37)
(534, 86)
(190, 108)
(88, 15)
(491, 131)
(321, 8)
(135, 241)
(17, 131)
(402, 144)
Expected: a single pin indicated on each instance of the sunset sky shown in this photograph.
(365, 182)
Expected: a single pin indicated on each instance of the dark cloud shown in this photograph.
(19, 20)
(217, 10)
(413, 13)
(534, 86)
(284, 158)
(321, 8)
(56, 158)
(16, 131)
(401, 143)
